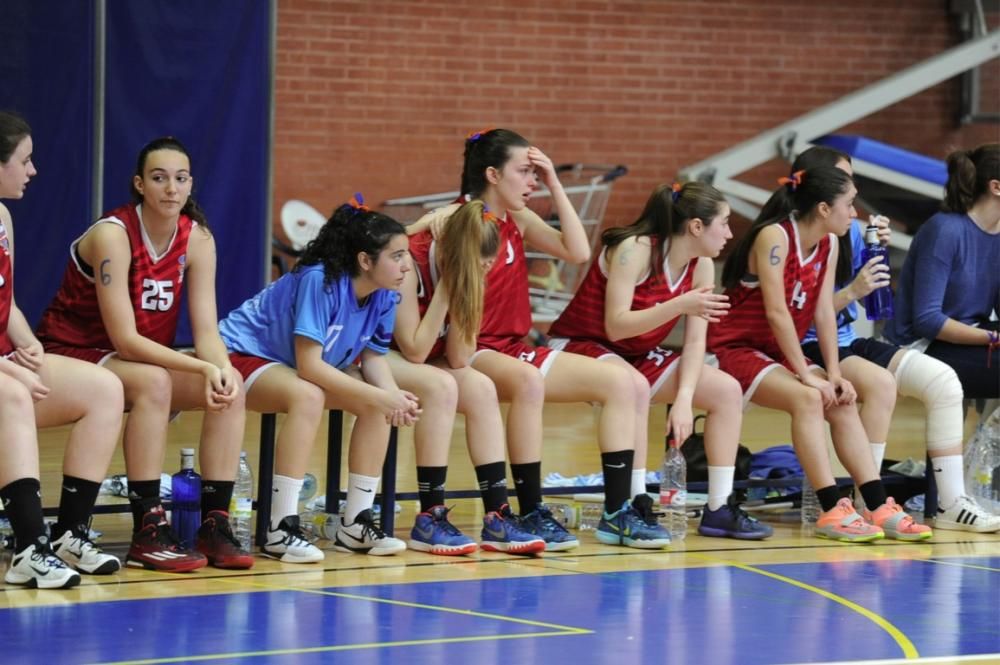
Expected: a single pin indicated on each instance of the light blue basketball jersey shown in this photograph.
(299, 303)
(847, 316)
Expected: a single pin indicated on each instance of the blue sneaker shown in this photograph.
(730, 521)
(634, 525)
(502, 532)
(539, 522)
(432, 532)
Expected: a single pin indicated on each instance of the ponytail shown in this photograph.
(804, 190)
(351, 229)
(470, 236)
(667, 212)
(969, 175)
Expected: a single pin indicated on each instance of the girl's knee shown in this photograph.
(150, 384)
(478, 391)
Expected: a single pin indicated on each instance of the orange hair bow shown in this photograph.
(676, 193)
(472, 137)
(358, 203)
(793, 180)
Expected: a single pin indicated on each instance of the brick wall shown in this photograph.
(376, 96)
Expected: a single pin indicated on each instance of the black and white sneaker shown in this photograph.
(37, 566)
(77, 549)
(287, 543)
(966, 515)
(363, 537)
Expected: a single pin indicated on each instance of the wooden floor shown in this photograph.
(587, 604)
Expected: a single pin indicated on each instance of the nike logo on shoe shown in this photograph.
(424, 533)
(42, 572)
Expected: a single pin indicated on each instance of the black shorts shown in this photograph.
(870, 349)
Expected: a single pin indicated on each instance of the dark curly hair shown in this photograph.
(347, 233)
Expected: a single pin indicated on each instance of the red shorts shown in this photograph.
(249, 367)
(749, 366)
(656, 366)
(90, 355)
(541, 357)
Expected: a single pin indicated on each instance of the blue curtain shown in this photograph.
(192, 69)
(197, 71)
(46, 76)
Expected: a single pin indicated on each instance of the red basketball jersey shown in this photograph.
(155, 283)
(422, 248)
(506, 308)
(746, 324)
(6, 291)
(583, 318)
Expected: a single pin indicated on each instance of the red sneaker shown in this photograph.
(155, 547)
(217, 542)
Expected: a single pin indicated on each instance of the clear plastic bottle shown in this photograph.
(565, 513)
(241, 505)
(982, 464)
(185, 500)
(673, 491)
(878, 303)
(308, 490)
(810, 504)
(591, 513)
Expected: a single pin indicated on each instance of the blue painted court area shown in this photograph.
(723, 614)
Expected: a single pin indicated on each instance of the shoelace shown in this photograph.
(166, 537)
(368, 529)
(548, 522)
(48, 558)
(294, 535)
(648, 517)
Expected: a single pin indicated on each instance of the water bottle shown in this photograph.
(308, 490)
(241, 505)
(185, 500)
(878, 303)
(982, 464)
(673, 491)
(810, 504)
(565, 513)
(591, 513)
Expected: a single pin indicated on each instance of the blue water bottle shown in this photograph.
(878, 303)
(185, 509)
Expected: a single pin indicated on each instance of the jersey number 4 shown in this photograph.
(157, 294)
(798, 297)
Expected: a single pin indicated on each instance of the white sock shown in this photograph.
(949, 478)
(878, 454)
(284, 498)
(638, 482)
(720, 485)
(360, 495)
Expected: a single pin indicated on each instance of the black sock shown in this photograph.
(617, 468)
(143, 496)
(76, 504)
(873, 493)
(216, 495)
(528, 485)
(430, 486)
(22, 501)
(492, 479)
(828, 497)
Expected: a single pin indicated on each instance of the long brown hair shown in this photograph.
(469, 237)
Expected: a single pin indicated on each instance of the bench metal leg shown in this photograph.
(388, 504)
(265, 475)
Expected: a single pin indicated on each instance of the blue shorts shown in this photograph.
(867, 348)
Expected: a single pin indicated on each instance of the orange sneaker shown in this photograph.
(894, 521)
(843, 524)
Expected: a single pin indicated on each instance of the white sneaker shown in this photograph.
(966, 515)
(364, 537)
(79, 551)
(287, 543)
(37, 566)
